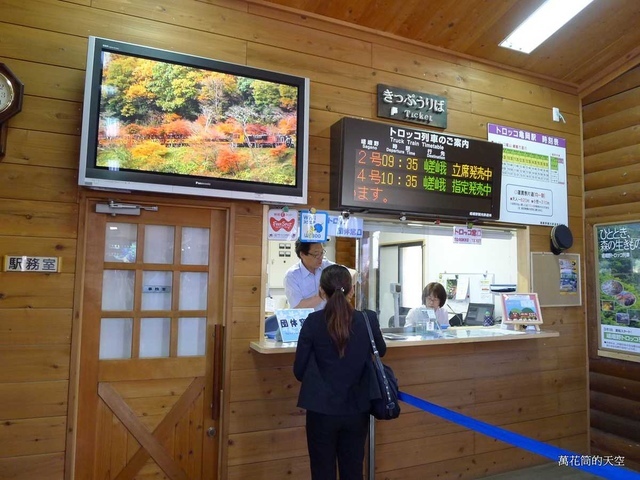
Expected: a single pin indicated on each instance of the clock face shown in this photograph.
(6, 93)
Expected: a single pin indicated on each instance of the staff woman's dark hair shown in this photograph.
(437, 290)
(335, 282)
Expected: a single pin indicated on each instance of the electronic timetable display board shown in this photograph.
(384, 168)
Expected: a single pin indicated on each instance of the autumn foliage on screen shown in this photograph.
(169, 118)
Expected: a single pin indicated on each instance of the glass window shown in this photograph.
(191, 336)
(117, 289)
(156, 290)
(120, 242)
(115, 338)
(155, 337)
(158, 244)
(193, 291)
(195, 246)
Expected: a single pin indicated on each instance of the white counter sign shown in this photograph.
(470, 236)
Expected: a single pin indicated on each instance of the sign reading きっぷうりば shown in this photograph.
(282, 225)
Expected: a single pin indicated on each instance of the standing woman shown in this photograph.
(333, 360)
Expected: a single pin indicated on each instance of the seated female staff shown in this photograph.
(433, 296)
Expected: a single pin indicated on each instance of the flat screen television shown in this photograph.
(161, 121)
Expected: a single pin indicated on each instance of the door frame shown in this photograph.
(84, 202)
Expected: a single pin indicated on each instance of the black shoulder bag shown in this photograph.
(386, 406)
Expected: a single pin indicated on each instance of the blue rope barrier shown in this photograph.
(554, 453)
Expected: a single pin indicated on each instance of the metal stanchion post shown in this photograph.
(371, 461)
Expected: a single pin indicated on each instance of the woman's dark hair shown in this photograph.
(437, 290)
(336, 284)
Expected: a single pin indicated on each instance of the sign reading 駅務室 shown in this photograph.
(25, 263)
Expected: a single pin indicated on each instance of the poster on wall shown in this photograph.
(282, 224)
(617, 248)
(313, 226)
(534, 176)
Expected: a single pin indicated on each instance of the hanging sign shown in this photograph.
(466, 235)
(313, 226)
(282, 225)
(345, 226)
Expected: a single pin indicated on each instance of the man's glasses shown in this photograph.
(317, 255)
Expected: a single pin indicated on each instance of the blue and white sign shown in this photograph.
(341, 226)
(313, 226)
(290, 321)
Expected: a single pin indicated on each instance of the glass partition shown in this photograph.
(413, 255)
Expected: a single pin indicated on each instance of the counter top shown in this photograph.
(448, 336)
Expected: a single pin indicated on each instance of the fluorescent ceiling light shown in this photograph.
(543, 23)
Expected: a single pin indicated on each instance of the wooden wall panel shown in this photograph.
(36, 290)
(263, 436)
(53, 185)
(35, 326)
(30, 147)
(34, 363)
(38, 219)
(33, 436)
(611, 118)
(28, 467)
(33, 399)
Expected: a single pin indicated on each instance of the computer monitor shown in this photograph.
(476, 312)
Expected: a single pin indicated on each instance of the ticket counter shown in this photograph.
(452, 335)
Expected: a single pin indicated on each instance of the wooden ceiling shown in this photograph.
(599, 44)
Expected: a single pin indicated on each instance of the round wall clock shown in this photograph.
(11, 92)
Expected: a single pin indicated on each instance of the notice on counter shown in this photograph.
(534, 176)
(290, 321)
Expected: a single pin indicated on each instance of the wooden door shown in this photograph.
(151, 343)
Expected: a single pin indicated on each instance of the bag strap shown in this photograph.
(373, 342)
(378, 363)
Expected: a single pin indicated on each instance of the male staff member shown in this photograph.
(302, 280)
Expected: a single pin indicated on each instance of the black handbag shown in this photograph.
(386, 405)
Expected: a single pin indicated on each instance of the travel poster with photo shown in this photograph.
(617, 249)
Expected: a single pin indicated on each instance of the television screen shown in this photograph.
(161, 121)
